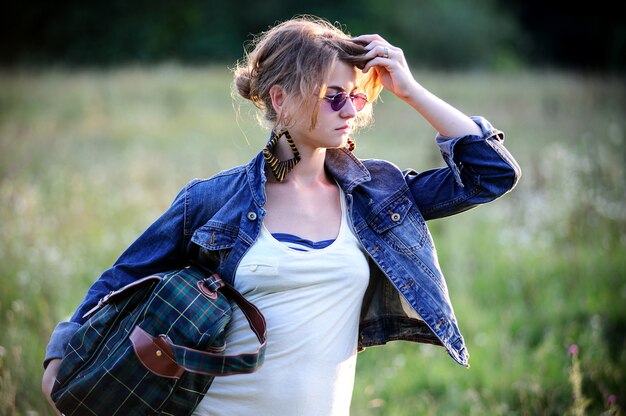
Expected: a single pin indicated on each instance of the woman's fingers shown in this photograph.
(386, 55)
(378, 47)
(382, 51)
(369, 38)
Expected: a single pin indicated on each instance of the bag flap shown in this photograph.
(120, 293)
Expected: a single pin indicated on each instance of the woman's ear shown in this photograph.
(277, 95)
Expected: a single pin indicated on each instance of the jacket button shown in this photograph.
(252, 216)
(395, 217)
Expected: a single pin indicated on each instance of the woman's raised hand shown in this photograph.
(391, 65)
(395, 75)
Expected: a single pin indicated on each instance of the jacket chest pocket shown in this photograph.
(399, 224)
(215, 241)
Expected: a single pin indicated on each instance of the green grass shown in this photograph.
(88, 159)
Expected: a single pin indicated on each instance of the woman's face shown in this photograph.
(333, 127)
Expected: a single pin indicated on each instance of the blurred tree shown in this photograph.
(436, 33)
(572, 34)
(448, 33)
(118, 31)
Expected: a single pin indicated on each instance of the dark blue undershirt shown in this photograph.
(306, 245)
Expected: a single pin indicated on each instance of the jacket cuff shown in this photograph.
(59, 339)
(447, 144)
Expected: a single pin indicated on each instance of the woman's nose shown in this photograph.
(349, 109)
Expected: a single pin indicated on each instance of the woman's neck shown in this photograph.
(310, 169)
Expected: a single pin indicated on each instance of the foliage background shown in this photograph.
(108, 108)
(436, 33)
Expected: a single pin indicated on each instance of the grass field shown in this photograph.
(88, 159)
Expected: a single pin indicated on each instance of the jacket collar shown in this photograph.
(347, 170)
(256, 178)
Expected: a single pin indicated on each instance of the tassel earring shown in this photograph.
(280, 167)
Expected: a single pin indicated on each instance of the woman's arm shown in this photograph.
(161, 247)
(444, 118)
(480, 168)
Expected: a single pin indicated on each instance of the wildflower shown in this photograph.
(573, 349)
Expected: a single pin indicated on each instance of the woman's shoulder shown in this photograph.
(235, 185)
(203, 197)
(218, 178)
(380, 165)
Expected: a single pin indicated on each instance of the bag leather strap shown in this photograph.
(163, 357)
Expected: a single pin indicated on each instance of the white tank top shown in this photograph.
(312, 302)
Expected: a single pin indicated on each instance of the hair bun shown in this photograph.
(243, 83)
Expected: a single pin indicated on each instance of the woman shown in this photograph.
(333, 250)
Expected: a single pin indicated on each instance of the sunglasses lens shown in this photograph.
(359, 101)
(338, 101)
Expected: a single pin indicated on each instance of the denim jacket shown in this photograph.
(216, 220)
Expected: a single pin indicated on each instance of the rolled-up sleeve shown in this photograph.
(479, 169)
(58, 341)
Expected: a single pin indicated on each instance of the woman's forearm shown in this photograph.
(446, 119)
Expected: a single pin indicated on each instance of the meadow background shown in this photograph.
(107, 109)
(88, 159)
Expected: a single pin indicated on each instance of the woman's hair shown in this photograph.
(298, 56)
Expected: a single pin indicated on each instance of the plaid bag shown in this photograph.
(154, 347)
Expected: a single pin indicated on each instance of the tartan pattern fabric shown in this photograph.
(101, 374)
